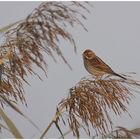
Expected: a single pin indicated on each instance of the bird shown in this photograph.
(95, 66)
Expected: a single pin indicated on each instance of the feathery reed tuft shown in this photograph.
(124, 133)
(89, 102)
(26, 41)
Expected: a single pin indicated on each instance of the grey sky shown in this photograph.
(114, 34)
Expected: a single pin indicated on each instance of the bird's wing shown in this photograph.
(100, 65)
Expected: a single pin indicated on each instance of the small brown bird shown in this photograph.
(95, 66)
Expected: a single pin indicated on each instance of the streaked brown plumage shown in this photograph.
(95, 66)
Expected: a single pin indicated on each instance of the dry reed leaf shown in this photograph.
(90, 101)
(10, 125)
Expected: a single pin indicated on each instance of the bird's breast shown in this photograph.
(92, 70)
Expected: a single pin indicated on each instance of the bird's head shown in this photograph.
(88, 54)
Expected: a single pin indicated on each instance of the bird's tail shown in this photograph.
(120, 76)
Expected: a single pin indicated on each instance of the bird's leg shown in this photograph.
(98, 78)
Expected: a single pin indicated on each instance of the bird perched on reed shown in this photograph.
(95, 66)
